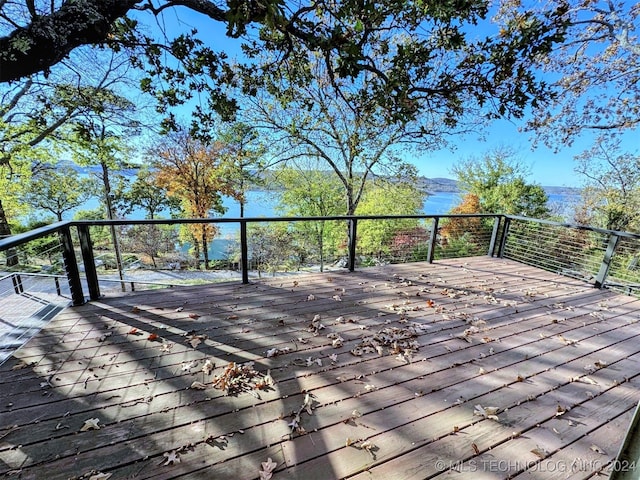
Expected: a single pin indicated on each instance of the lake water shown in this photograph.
(263, 204)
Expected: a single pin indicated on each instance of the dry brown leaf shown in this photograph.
(100, 476)
(90, 424)
(540, 452)
(195, 316)
(269, 465)
(475, 448)
(135, 310)
(208, 367)
(198, 386)
(597, 449)
(171, 458)
(486, 412)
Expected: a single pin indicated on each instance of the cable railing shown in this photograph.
(173, 252)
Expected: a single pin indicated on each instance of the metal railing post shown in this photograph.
(503, 238)
(353, 230)
(606, 261)
(433, 239)
(71, 267)
(244, 252)
(494, 236)
(18, 288)
(89, 262)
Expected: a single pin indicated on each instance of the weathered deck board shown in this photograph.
(489, 332)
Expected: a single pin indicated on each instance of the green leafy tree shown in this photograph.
(33, 113)
(308, 192)
(146, 194)
(384, 197)
(60, 190)
(611, 192)
(243, 159)
(498, 179)
(271, 247)
(151, 241)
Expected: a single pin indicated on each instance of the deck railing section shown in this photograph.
(82, 254)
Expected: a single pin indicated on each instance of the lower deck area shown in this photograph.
(476, 368)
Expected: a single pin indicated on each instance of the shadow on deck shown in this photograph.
(478, 367)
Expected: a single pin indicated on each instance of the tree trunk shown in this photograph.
(196, 252)
(5, 231)
(205, 247)
(110, 216)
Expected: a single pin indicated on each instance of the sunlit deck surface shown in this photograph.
(559, 360)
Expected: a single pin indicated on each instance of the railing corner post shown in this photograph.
(353, 230)
(71, 267)
(606, 261)
(494, 236)
(503, 238)
(244, 252)
(89, 262)
(433, 239)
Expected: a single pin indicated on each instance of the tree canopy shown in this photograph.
(595, 72)
(419, 53)
(498, 180)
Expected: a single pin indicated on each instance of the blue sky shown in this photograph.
(547, 168)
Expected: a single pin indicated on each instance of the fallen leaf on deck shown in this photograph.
(100, 476)
(179, 309)
(272, 352)
(337, 298)
(198, 386)
(333, 357)
(20, 366)
(195, 340)
(486, 412)
(208, 367)
(566, 341)
(135, 310)
(153, 337)
(134, 331)
(90, 424)
(540, 452)
(269, 465)
(241, 378)
(232, 317)
(600, 363)
(560, 410)
(311, 297)
(194, 316)
(597, 449)
(475, 448)
(431, 303)
(171, 458)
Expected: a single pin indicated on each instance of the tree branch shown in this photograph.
(50, 38)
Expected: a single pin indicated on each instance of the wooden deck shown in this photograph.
(107, 390)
